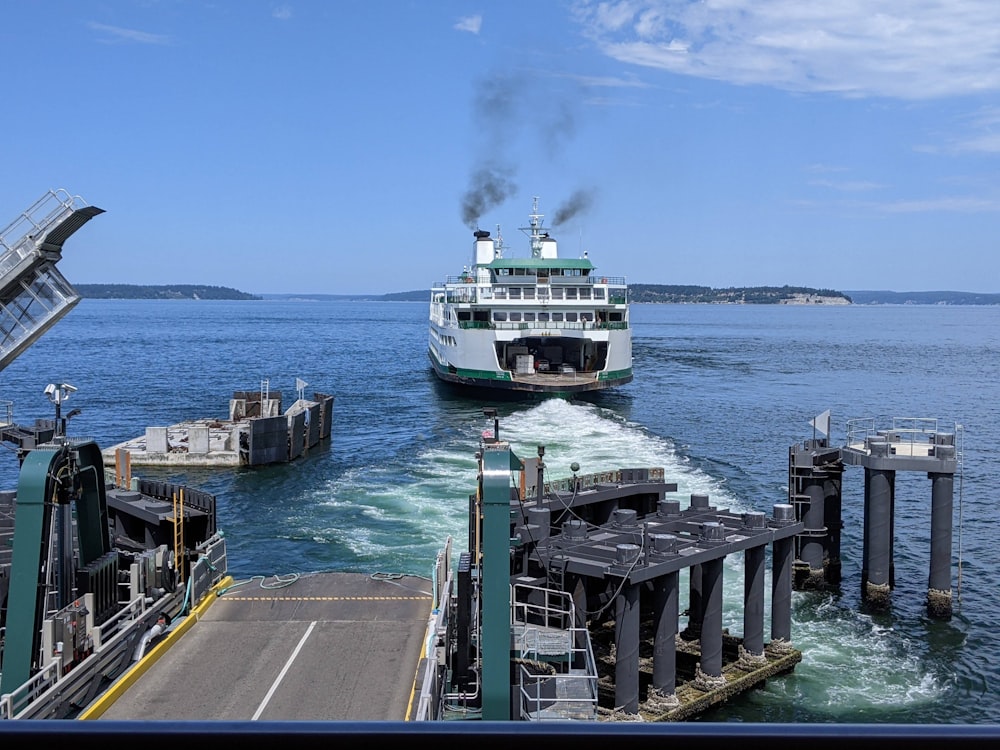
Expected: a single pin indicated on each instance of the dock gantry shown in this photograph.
(34, 295)
(568, 603)
(815, 471)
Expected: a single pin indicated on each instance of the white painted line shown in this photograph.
(284, 671)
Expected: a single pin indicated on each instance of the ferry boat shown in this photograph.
(540, 324)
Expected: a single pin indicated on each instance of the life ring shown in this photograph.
(604, 281)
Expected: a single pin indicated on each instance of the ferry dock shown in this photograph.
(316, 647)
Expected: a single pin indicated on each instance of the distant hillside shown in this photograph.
(639, 293)
(785, 295)
(750, 295)
(172, 291)
(923, 298)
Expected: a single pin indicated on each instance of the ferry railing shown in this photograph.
(571, 291)
(543, 325)
(611, 281)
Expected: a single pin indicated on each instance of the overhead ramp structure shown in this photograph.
(34, 295)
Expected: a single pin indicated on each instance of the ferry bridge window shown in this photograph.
(515, 317)
(571, 292)
(557, 317)
(500, 316)
(529, 317)
(585, 293)
(599, 293)
(515, 292)
(588, 316)
(529, 293)
(571, 317)
(615, 317)
(543, 317)
(557, 293)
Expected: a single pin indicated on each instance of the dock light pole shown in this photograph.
(540, 482)
(58, 393)
(491, 412)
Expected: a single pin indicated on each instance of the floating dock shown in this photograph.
(256, 433)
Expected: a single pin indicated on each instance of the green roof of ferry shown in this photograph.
(581, 263)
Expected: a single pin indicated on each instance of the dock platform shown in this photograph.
(315, 647)
(256, 433)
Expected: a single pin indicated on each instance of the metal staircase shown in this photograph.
(34, 295)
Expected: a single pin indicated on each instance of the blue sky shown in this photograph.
(341, 146)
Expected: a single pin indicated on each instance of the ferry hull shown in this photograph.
(555, 384)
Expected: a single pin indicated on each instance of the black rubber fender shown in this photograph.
(168, 572)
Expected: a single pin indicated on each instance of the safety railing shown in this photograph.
(18, 238)
(557, 672)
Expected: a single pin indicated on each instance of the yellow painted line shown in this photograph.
(327, 598)
(105, 701)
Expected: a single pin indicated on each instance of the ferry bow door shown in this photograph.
(53, 483)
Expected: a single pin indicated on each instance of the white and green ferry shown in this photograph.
(538, 324)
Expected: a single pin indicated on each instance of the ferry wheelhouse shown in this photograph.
(537, 324)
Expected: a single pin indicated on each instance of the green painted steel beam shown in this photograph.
(26, 598)
(92, 504)
(42, 472)
(495, 582)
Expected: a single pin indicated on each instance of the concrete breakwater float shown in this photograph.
(256, 433)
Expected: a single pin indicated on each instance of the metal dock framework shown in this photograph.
(815, 471)
(568, 604)
(34, 295)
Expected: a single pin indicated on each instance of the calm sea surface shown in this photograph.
(720, 394)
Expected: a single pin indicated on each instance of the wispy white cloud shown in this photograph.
(282, 12)
(984, 135)
(919, 49)
(471, 24)
(609, 82)
(118, 34)
(855, 186)
(961, 204)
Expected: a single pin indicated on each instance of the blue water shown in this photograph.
(720, 394)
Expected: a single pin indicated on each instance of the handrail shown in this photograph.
(48, 210)
(910, 431)
(550, 325)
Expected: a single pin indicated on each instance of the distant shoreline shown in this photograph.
(638, 293)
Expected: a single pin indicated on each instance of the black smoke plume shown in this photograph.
(489, 188)
(579, 202)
